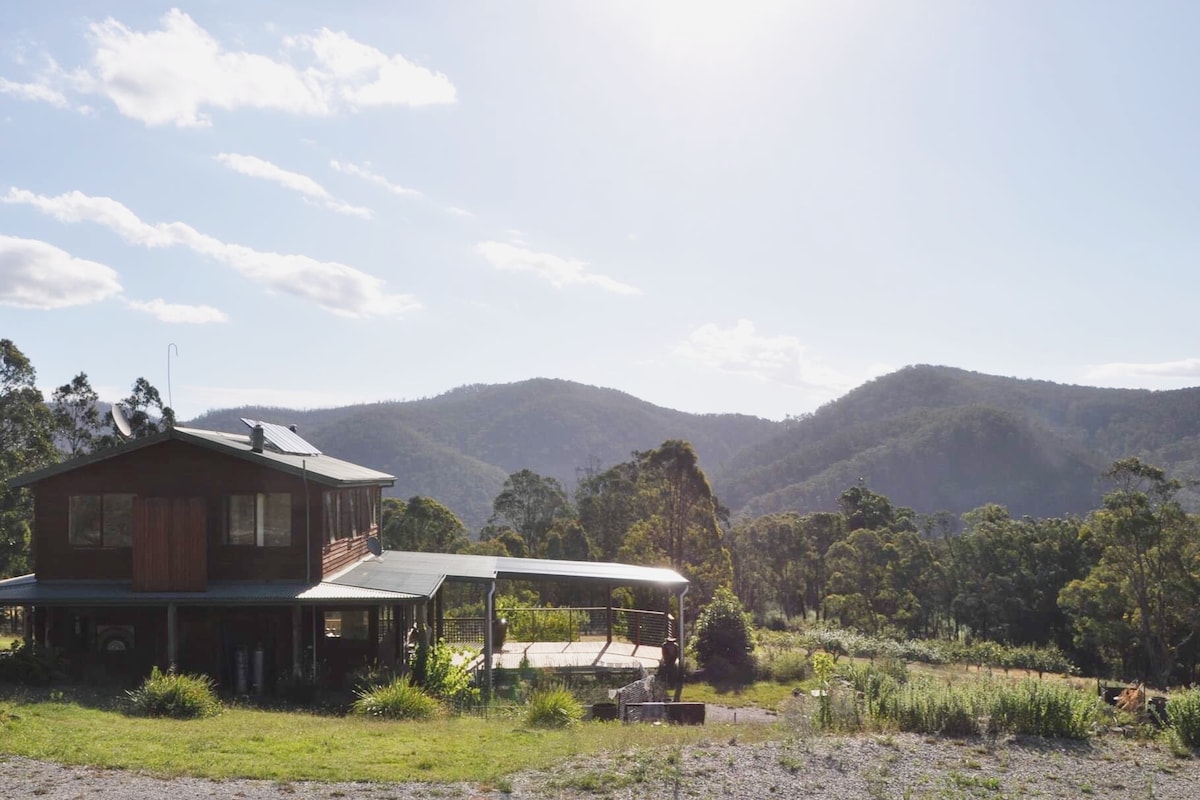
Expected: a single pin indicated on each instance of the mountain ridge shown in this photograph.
(930, 437)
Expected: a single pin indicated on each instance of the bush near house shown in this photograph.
(396, 700)
(175, 695)
(30, 665)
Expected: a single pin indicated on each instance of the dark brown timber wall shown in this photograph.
(171, 471)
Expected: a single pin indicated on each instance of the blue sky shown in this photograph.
(717, 207)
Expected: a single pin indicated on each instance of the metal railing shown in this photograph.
(637, 626)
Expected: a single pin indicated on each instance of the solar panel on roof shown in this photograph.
(283, 440)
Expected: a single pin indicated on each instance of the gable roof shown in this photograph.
(319, 468)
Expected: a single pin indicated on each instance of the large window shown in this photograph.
(351, 512)
(352, 625)
(259, 520)
(101, 520)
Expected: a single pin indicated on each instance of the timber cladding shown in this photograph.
(170, 544)
(181, 492)
(342, 553)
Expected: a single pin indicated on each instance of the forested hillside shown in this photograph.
(931, 438)
(459, 446)
(936, 438)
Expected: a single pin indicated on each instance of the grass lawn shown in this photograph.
(286, 746)
(760, 694)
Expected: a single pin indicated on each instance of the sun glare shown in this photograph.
(685, 30)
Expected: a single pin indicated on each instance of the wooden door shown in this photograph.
(170, 551)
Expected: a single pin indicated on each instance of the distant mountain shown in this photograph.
(936, 438)
(932, 438)
(460, 446)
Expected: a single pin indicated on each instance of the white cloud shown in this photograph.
(174, 75)
(335, 287)
(777, 359)
(1146, 375)
(176, 313)
(302, 184)
(367, 174)
(35, 274)
(363, 76)
(360, 171)
(40, 91)
(557, 270)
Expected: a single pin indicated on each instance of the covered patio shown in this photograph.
(426, 574)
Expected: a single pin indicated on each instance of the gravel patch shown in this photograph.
(867, 766)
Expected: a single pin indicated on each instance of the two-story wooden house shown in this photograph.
(205, 550)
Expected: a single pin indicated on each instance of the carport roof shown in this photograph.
(423, 573)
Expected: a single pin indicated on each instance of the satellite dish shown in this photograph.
(121, 421)
(374, 546)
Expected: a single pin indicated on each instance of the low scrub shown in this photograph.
(553, 708)
(931, 708)
(396, 700)
(1183, 709)
(175, 695)
(782, 666)
(30, 665)
(839, 642)
(1035, 708)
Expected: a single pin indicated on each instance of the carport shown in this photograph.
(423, 574)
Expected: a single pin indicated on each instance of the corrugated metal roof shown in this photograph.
(27, 590)
(400, 570)
(603, 571)
(323, 469)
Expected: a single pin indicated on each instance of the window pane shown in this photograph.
(85, 520)
(118, 520)
(277, 520)
(241, 519)
(348, 625)
(355, 624)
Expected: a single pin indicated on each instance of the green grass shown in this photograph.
(761, 694)
(288, 746)
(6, 641)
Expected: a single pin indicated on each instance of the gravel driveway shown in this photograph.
(867, 766)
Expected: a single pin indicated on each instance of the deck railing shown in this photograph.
(637, 626)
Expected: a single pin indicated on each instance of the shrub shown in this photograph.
(1183, 709)
(396, 700)
(445, 679)
(723, 632)
(176, 695)
(1036, 708)
(926, 707)
(553, 708)
(783, 666)
(31, 665)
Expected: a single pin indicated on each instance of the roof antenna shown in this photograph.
(170, 399)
